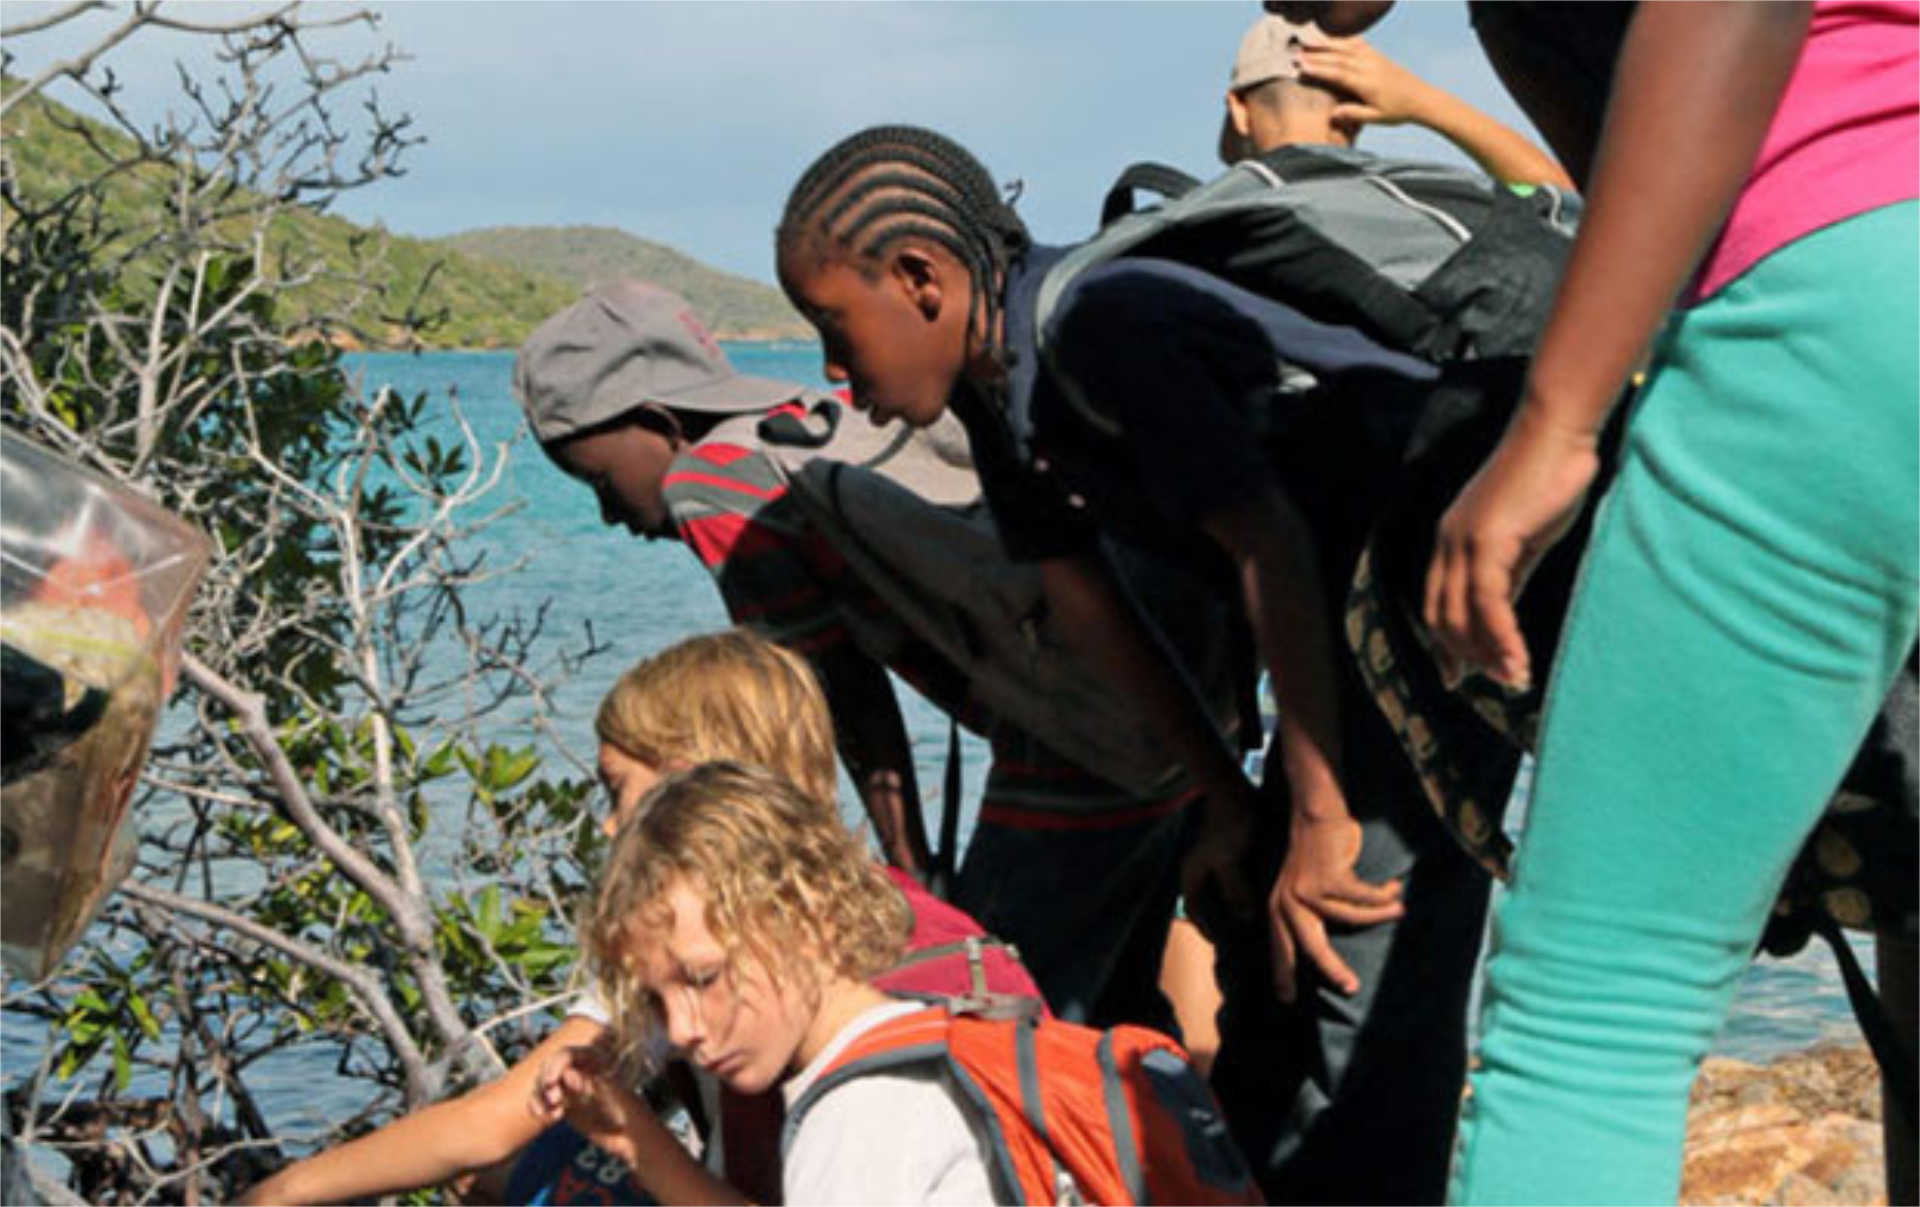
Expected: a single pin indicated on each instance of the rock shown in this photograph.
(1804, 1129)
(1799, 1190)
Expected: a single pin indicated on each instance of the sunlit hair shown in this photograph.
(726, 695)
(885, 184)
(786, 887)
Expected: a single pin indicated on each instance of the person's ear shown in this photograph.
(1233, 145)
(1239, 117)
(919, 275)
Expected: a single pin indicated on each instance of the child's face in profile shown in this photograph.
(898, 340)
(626, 780)
(624, 465)
(731, 1016)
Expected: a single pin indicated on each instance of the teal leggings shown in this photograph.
(1747, 597)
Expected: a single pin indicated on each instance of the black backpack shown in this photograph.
(1437, 261)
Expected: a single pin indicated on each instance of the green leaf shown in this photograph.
(122, 1062)
(144, 1016)
(488, 919)
(506, 768)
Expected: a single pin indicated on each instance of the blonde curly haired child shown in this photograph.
(729, 694)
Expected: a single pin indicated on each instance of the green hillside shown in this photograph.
(488, 301)
(586, 256)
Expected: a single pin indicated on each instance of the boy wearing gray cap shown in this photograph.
(626, 385)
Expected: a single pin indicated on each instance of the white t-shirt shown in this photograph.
(588, 1004)
(894, 1137)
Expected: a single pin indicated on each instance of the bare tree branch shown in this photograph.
(56, 17)
(363, 984)
(329, 803)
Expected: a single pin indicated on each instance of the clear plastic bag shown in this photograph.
(94, 586)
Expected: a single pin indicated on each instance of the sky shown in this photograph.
(687, 123)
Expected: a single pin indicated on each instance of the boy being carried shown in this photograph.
(1293, 84)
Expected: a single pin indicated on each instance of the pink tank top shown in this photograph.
(1845, 140)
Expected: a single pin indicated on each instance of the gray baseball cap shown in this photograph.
(623, 344)
(1270, 50)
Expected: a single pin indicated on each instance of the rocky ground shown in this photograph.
(1804, 1129)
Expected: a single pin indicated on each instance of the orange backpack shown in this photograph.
(1074, 1114)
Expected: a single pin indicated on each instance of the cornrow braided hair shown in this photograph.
(887, 183)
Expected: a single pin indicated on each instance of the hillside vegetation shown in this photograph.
(488, 289)
(586, 256)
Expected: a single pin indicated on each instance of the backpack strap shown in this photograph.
(974, 947)
(1169, 182)
(980, 1000)
(910, 1039)
(922, 1039)
(1890, 1052)
(1132, 229)
(946, 865)
(1120, 1120)
(1032, 1106)
(934, 463)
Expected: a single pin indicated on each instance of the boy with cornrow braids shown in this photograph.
(1233, 434)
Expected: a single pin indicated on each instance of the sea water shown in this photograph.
(640, 596)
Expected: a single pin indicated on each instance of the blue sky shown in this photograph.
(687, 123)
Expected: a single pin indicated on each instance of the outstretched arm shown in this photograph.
(1272, 551)
(1104, 627)
(1187, 375)
(1706, 77)
(1387, 94)
(433, 1145)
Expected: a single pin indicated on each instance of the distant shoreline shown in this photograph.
(347, 342)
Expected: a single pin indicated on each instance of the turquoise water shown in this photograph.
(641, 596)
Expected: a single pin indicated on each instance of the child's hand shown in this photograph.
(576, 1085)
(1386, 94)
(1317, 884)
